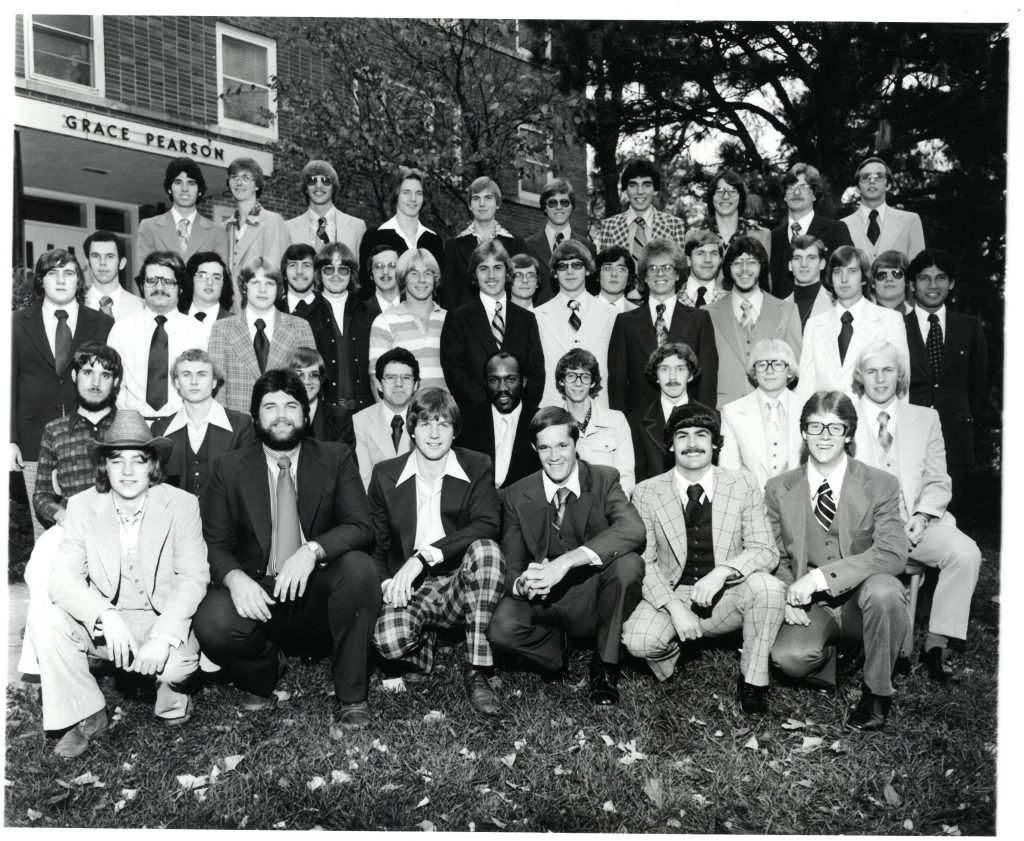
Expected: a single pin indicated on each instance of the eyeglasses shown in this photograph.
(746, 263)
(798, 189)
(241, 178)
(872, 178)
(565, 265)
(658, 271)
(379, 267)
(312, 376)
(525, 276)
(583, 377)
(617, 271)
(340, 271)
(152, 282)
(726, 193)
(395, 379)
(553, 203)
(836, 430)
(313, 180)
(203, 276)
(885, 274)
(762, 365)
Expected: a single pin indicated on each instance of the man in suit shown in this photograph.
(207, 293)
(381, 430)
(327, 422)
(299, 272)
(437, 518)
(45, 337)
(202, 430)
(842, 543)
(570, 543)
(662, 318)
(106, 255)
(253, 231)
(806, 263)
(258, 339)
(803, 187)
(704, 252)
(500, 428)
(557, 203)
(616, 277)
(460, 281)
(486, 323)
(906, 440)
(875, 227)
(381, 266)
(125, 585)
(573, 318)
(288, 528)
(640, 180)
(948, 363)
(182, 229)
(323, 223)
(746, 316)
(709, 558)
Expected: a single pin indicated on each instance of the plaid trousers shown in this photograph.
(466, 596)
(757, 604)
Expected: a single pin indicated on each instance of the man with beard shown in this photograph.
(288, 528)
(299, 274)
(105, 252)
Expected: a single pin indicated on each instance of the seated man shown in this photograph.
(288, 528)
(906, 440)
(125, 585)
(380, 429)
(842, 544)
(570, 542)
(437, 518)
(709, 570)
(327, 422)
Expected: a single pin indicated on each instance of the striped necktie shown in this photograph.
(574, 316)
(498, 325)
(825, 507)
(639, 239)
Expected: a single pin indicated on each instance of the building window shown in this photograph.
(66, 49)
(246, 64)
(534, 163)
(533, 40)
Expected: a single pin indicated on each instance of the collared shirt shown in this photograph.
(756, 299)
(217, 416)
(922, 321)
(619, 303)
(647, 216)
(489, 303)
(179, 216)
(401, 327)
(122, 301)
(392, 225)
(429, 527)
(667, 405)
(857, 311)
(872, 410)
(130, 524)
(272, 457)
(504, 437)
(805, 224)
(293, 299)
(337, 304)
(499, 230)
(65, 460)
(550, 231)
(692, 286)
(835, 481)
(251, 218)
(314, 218)
(706, 481)
(269, 317)
(777, 446)
(670, 307)
(211, 317)
(573, 484)
(384, 303)
(864, 212)
(50, 320)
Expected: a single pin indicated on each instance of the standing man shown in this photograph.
(323, 223)
(708, 572)
(616, 276)
(207, 293)
(876, 227)
(288, 528)
(807, 263)
(889, 281)
(802, 187)
(253, 231)
(570, 542)
(437, 519)
(381, 266)
(704, 252)
(640, 223)
(842, 543)
(298, 271)
(326, 422)
(557, 203)
(381, 430)
(182, 230)
(105, 253)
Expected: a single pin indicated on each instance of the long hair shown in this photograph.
(57, 258)
(187, 289)
(278, 379)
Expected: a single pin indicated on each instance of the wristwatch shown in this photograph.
(316, 549)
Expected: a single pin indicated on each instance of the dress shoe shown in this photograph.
(558, 676)
(604, 683)
(870, 713)
(350, 717)
(938, 670)
(253, 702)
(481, 692)
(181, 719)
(76, 740)
(753, 699)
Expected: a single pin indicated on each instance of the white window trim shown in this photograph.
(526, 196)
(268, 132)
(97, 57)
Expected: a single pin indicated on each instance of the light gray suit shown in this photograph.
(746, 443)
(900, 230)
(160, 233)
(372, 427)
(348, 230)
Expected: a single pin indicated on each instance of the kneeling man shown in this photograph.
(709, 558)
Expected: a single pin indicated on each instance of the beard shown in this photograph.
(274, 442)
(97, 405)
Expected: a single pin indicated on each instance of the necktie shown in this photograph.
(845, 334)
(156, 373)
(107, 305)
(183, 235)
(693, 505)
(660, 330)
(300, 308)
(498, 325)
(287, 538)
(772, 408)
(574, 316)
(558, 239)
(746, 318)
(795, 228)
(61, 343)
(701, 297)
(934, 343)
(561, 495)
(200, 316)
(873, 229)
(884, 435)
(321, 230)
(825, 507)
(396, 430)
(261, 345)
(639, 239)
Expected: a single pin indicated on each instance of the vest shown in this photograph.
(700, 550)
(822, 546)
(197, 466)
(564, 539)
(131, 591)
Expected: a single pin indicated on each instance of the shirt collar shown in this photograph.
(872, 410)
(667, 407)
(756, 300)
(923, 323)
(489, 303)
(670, 307)
(392, 225)
(178, 216)
(706, 481)
(648, 217)
(251, 316)
(835, 481)
(274, 456)
(294, 299)
(512, 416)
(857, 310)
(499, 230)
(211, 311)
(71, 308)
(451, 468)
(865, 212)
(805, 222)
(77, 417)
(572, 483)
(217, 417)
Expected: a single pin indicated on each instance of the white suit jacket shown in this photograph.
(372, 427)
(349, 230)
(900, 230)
(557, 337)
(743, 429)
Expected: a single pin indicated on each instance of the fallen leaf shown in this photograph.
(673, 823)
(188, 781)
(835, 747)
(810, 743)
(608, 806)
(608, 740)
(388, 787)
(393, 684)
(338, 777)
(467, 753)
(752, 743)
(695, 720)
(33, 815)
(200, 794)
(561, 772)
(214, 773)
(949, 772)
(315, 783)
(700, 800)
(520, 744)
(808, 784)
(433, 717)
(231, 762)
(719, 734)
(655, 793)
(279, 825)
(472, 826)
(908, 824)
(377, 744)
(509, 760)
(86, 779)
(129, 793)
(497, 823)
(282, 695)
(950, 830)
(891, 796)
(793, 724)
(127, 766)
(423, 802)
(426, 826)
(119, 806)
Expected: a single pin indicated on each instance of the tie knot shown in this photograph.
(105, 301)
(795, 227)
(261, 325)
(562, 494)
(160, 319)
(873, 214)
(574, 305)
(660, 309)
(321, 221)
(933, 319)
(746, 306)
(694, 493)
(883, 419)
(558, 238)
(846, 317)
(497, 306)
(640, 223)
(397, 422)
(824, 489)
(62, 315)
(201, 316)
(284, 463)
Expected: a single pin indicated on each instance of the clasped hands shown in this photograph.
(686, 623)
(798, 599)
(150, 657)
(253, 602)
(540, 577)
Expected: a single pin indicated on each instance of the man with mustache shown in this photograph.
(323, 222)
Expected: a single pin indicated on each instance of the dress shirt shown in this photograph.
(835, 482)
(273, 470)
(401, 327)
(925, 325)
(122, 301)
(864, 212)
(777, 451)
(211, 311)
(550, 231)
(337, 304)
(392, 225)
(857, 311)
(504, 437)
(756, 300)
(692, 285)
(619, 303)
(648, 217)
(385, 304)
(429, 527)
(216, 415)
(489, 303)
(871, 412)
(499, 230)
(670, 307)
(573, 484)
(805, 223)
(667, 405)
(129, 524)
(707, 482)
(50, 320)
(268, 320)
(178, 216)
(293, 299)
(313, 218)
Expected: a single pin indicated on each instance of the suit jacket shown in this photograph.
(268, 240)
(830, 231)
(900, 230)
(557, 338)
(349, 230)
(871, 536)
(86, 572)
(478, 435)
(467, 341)
(38, 393)
(740, 535)
(602, 520)
(160, 233)
(743, 427)
(538, 247)
(389, 236)
(647, 427)
(372, 428)
(634, 340)
(777, 320)
(458, 286)
(615, 230)
(232, 351)
(356, 334)
(220, 441)
(333, 423)
(960, 391)
(470, 511)
(822, 303)
(237, 524)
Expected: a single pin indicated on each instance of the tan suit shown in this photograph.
(372, 427)
(746, 443)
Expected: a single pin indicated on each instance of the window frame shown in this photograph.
(269, 132)
(525, 196)
(97, 57)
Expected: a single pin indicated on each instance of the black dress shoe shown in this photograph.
(482, 694)
(870, 713)
(937, 669)
(558, 676)
(753, 699)
(604, 683)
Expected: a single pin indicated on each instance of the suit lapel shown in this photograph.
(155, 527)
(105, 537)
(723, 514)
(312, 478)
(853, 498)
(669, 514)
(282, 344)
(403, 501)
(245, 356)
(793, 508)
(255, 488)
(481, 327)
(36, 334)
(749, 411)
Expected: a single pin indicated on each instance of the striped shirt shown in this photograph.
(398, 327)
(65, 454)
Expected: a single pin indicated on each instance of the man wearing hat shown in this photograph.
(127, 580)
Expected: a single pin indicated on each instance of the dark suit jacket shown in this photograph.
(38, 393)
(832, 232)
(647, 427)
(333, 423)
(357, 334)
(537, 246)
(458, 286)
(602, 519)
(469, 512)
(960, 392)
(478, 435)
(236, 511)
(633, 340)
(467, 341)
(220, 442)
(428, 240)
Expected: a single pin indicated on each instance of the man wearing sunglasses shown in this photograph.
(323, 222)
(557, 203)
(889, 281)
(876, 227)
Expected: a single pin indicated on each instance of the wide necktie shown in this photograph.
(873, 229)
(795, 228)
(183, 235)
(845, 334)
(61, 343)
(934, 343)
(701, 297)
(156, 372)
(660, 330)
(300, 309)
(772, 407)
(825, 507)
(107, 305)
(321, 230)
(884, 435)
(691, 513)
(746, 318)
(574, 316)
(261, 345)
(639, 239)
(396, 430)
(498, 325)
(200, 316)
(558, 239)
(561, 495)
(287, 538)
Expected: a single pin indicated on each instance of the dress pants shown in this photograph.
(958, 560)
(341, 603)
(37, 577)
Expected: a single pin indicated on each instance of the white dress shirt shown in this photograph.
(269, 317)
(122, 301)
(670, 307)
(50, 321)
(429, 527)
(504, 437)
(217, 416)
(835, 482)
(922, 321)
(489, 303)
(756, 299)
(392, 225)
(293, 299)
(706, 481)
(805, 224)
